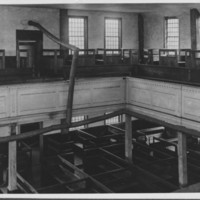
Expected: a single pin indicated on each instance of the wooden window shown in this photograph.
(113, 33)
(171, 33)
(78, 32)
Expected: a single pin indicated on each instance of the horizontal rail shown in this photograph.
(41, 131)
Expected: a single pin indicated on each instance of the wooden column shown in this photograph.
(182, 159)
(64, 35)
(141, 37)
(41, 143)
(128, 138)
(194, 15)
(12, 161)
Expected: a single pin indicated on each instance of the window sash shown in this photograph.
(112, 35)
(171, 33)
(77, 31)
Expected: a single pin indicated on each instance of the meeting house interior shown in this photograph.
(100, 98)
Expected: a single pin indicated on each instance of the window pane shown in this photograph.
(76, 32)
(112, 33)
(172, 33)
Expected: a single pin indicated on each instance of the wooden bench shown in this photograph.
(153, 56)
(130, 56)
(168, 57)
(108, 56)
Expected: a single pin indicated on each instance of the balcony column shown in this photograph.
(128, 138)
(182, 159)
(12, 161)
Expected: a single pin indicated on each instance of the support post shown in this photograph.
(141, 37)
(41, 143)
(128, 138)
(64, 30)
(194, 15)
(12, 161)
(182, 159)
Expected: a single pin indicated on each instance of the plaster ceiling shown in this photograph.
(119, 7)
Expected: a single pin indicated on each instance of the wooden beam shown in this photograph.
(128, 138)
(182, 159)
(29, 134)
(12, 161)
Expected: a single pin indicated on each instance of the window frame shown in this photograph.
(165, 31)
(119, 30)
(85, 18)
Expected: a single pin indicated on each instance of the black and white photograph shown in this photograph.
(100, 100)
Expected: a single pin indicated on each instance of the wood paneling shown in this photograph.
(46, 100)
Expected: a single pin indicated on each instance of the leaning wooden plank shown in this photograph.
(28, 185)
(183, 129)
(103, 187)
(72, 71)
(59, 126)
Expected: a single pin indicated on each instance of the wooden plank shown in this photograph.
(12, 161)
(28, 185)
(128, 138)
(182, 159)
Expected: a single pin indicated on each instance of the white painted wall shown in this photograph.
(154, 27)
(96, 27)
(11, 18)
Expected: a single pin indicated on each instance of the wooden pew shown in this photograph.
(182, 57)
(153, 56)
(165, 145)
(52, 60)
(145, 57)
(136, 126)
(130, 56)
(73, 179)
(86, 57)
(2, 59)
(151, 132)
(193, 59)
(58, 143)
(95, 137)
(146, 181)
(168, 57)
(109, 56)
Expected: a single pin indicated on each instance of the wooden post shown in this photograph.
(194, 15)
(64, 33)
(41, 143)
(141, 37)
(12, 161)
(128, 138)
(182, 159)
